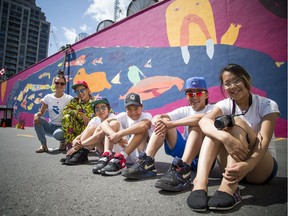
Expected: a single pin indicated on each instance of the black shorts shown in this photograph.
(272, 175)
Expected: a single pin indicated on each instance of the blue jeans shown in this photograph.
(46, 128)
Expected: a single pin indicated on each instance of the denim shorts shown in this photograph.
(178, 150)
(272, 175)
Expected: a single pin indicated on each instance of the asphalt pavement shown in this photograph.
(38, 184)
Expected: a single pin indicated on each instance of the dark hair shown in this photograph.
(60, 75)
(238, 71)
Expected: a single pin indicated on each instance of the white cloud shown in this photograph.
(101, 10)
(70, 34)
(84, 28)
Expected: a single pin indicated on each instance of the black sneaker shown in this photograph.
(102, 162)
(79, 157)
(177, 178)
(143, 168)
(62, 160)
(115, 165)
(224, 201)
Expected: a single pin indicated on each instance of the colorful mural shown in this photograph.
(153, 52)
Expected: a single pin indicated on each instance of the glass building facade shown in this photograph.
(24, 35)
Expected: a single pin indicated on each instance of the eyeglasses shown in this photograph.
(236, 82)
(60, 83)
(97, 109)
(80, 91)
(197, 94)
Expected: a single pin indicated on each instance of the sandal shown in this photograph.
(62, 146)
(224, 201)
(197, 200)
(43, 148)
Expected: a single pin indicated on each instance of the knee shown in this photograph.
(115, 125)
(58, 134)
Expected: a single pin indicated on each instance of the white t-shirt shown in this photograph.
(260, 107)
(95, 121)
(126, 122)
(183, 112)
(56, 106)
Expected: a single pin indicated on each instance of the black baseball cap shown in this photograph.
(133, 99)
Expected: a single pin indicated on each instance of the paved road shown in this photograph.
(37, 184)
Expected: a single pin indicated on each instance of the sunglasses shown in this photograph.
(197, 94)
(60, 83)
(80, 91)
(97, 109)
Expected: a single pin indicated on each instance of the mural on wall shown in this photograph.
(200, 41)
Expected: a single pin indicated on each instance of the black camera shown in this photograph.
(224, 121)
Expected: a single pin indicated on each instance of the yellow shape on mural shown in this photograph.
(231, 34)
(3, 89)
(96, 81)
(278, 64)
(190, 22)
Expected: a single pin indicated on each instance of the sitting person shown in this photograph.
(238, 130)
(187, 147)
(131, 130)
(92, 136)
(54, 103)
(77, 113)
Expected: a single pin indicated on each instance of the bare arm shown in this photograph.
(140, 127)
(239, 170)
(264, 138)
(192, 121)
(105, 126)
(41, 112)
(233, 146)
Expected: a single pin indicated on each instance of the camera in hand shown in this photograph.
(224, 121)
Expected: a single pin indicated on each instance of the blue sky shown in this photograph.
(68, 18)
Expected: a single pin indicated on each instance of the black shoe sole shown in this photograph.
(167, 187)
(72, 164)
(149, 174)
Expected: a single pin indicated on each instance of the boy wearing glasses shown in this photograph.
(186, 146)
(92, 136)
(78, 112)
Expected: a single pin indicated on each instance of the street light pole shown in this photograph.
(66, 49)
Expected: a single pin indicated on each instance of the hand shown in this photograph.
(114, 138)
(160, 127)
(36, 120)
(123, 143)
(85, 119)
(72, 150)
(236, 149)
(236, 172)
(76, 142)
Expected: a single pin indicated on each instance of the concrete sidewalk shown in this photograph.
(37, 184)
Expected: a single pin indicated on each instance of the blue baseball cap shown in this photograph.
(195, 83)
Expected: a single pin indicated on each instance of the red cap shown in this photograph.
(79, 83)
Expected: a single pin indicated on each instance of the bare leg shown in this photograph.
(193, 145)
(136, 141)
(209, 151)
(156, 141)
(95, 140)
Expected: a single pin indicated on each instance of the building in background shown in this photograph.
(24, 35)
